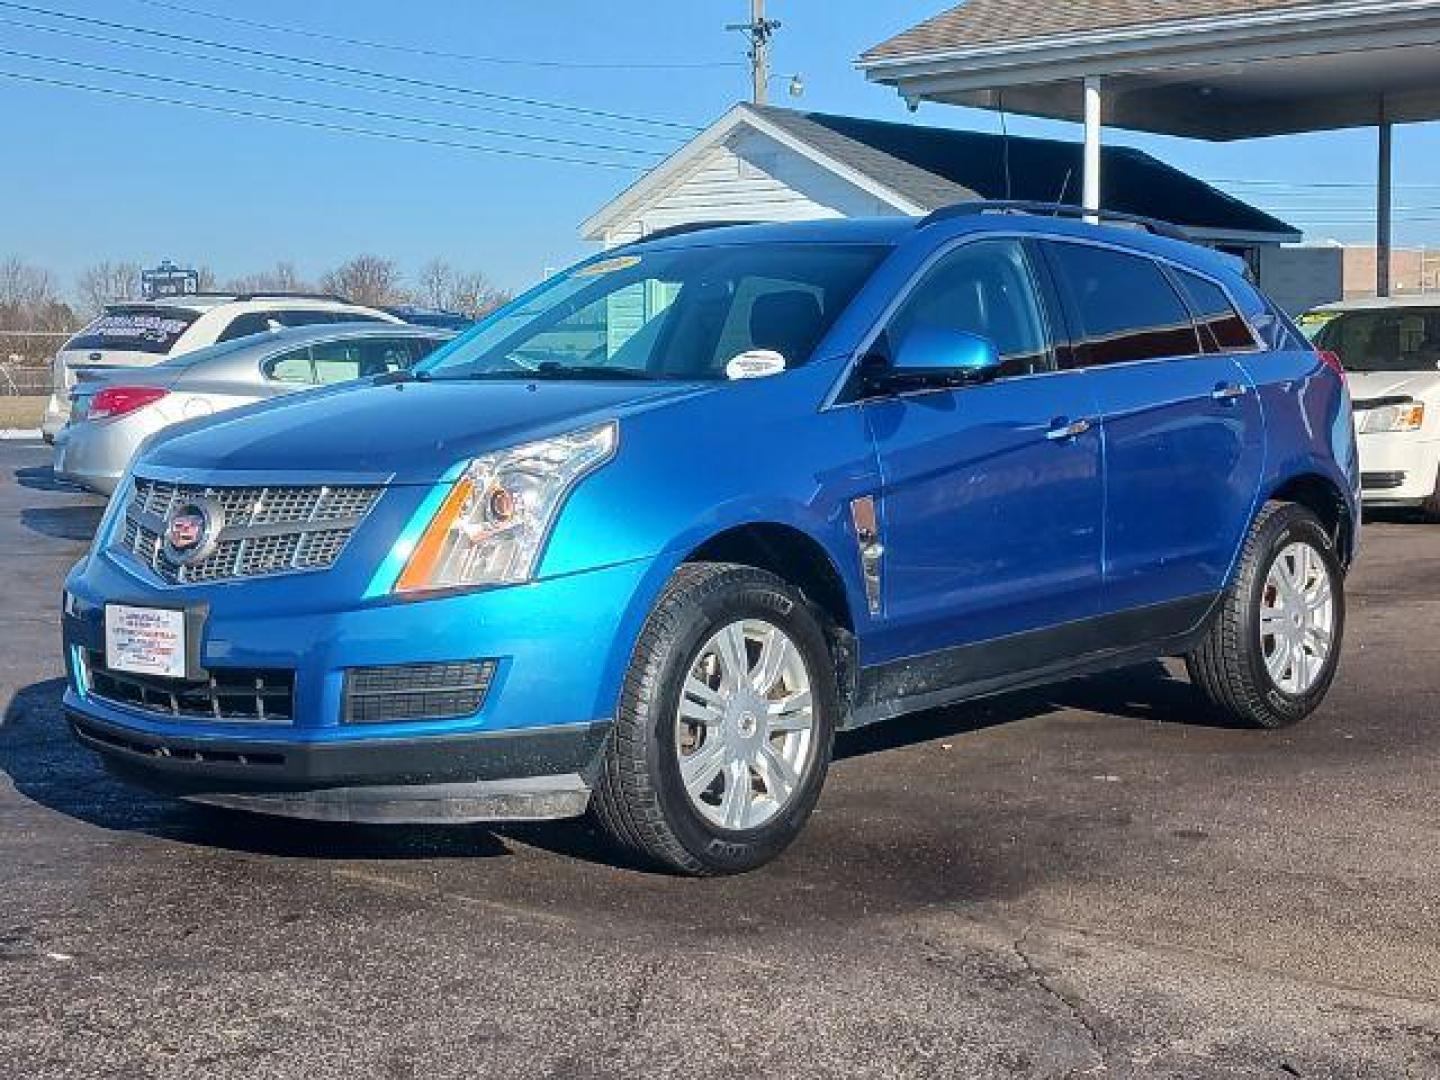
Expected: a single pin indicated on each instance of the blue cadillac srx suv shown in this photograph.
(641, 542)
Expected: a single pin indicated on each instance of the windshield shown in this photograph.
(681, 314)
(1388, 339)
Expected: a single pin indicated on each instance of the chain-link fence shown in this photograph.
(26, 368)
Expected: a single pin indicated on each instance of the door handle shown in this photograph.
(1229, 391)
(1063, 431)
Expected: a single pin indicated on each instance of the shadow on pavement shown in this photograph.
(63, 522)
(1147, 692)
(43, 478)
(49, 767)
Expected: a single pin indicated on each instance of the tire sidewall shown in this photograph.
(1284, 529)
(750, 597)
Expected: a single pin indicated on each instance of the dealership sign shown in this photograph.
(167, 279)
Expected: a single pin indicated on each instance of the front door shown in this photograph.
(991, 504)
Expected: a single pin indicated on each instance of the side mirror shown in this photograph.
(941, 356)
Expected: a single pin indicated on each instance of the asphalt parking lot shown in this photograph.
(1085, 881)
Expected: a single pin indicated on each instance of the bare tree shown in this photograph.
(366, 279)
(444, 287)
(30, 305)
(108, 283)
(282, 277)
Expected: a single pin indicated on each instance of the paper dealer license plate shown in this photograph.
(145, 641)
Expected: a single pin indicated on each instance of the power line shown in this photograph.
(440, 54)
(369, 114)
(1319, 184)
(319, 125)
(347, 69)
(323, 80)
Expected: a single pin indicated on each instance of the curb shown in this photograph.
(20, 433)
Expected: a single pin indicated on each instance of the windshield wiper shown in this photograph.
(553, 369)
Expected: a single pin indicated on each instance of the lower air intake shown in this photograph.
(446, 691)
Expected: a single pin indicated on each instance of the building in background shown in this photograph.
(771, 164)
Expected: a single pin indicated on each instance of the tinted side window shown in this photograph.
(1220, 325)
(254, 322)
(1126, 308)
(983, 288)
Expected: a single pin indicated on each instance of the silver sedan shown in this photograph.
(114, 410)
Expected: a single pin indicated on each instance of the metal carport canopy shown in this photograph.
(1207, 69)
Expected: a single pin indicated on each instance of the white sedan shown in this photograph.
(1391, 350)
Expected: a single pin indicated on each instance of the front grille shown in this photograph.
(260, 531)
(233, 695)
(378, 695)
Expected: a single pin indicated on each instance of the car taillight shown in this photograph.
(1332, 361)
(116, 401)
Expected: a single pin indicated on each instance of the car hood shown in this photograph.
(405, 432)
(1421, 385)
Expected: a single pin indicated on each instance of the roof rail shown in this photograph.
(280, 294)
(686, 229)
(975, 207)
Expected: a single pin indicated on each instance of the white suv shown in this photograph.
(145, 332)
(1391, 350)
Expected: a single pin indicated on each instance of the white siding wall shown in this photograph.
(750, 178)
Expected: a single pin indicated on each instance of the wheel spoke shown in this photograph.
(793, 713)
(779, 777)
(733, 657)
(1278, 662)
(1273, 623)
(698, 770)
(699, 704)
(774, 655)
(736, 801)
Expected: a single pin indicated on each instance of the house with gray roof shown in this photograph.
(764, 163)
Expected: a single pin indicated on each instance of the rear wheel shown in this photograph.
(723, 735)
(1269, 656)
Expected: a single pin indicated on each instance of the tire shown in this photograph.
(1430, 508)
(1230, 665)
(640, 799)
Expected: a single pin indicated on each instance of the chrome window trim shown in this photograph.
(838, 387)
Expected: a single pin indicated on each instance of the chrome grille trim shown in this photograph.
(270, 530)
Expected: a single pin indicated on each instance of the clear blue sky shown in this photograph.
(85, 177)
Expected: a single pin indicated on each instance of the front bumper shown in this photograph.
(1399, 468)
(530, 751)
(515, 775)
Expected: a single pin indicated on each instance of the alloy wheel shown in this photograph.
(745, 725)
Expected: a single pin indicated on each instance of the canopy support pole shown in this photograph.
(1384, 205)
(1094, 118)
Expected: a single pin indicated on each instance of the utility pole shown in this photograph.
(760, 30)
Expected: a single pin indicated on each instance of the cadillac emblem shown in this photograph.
(191, 530)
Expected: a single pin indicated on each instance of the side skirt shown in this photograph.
(1034, 658)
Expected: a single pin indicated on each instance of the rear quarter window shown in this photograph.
(139, 329)
(1222, 329)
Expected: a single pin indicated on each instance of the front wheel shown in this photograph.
(1270, 654)
(726, 720)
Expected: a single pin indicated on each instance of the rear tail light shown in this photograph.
(116, 401)
(1332, 361)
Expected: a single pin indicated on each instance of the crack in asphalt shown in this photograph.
(1072, 1004)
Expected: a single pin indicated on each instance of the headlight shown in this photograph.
(492, 526)
(1402, 416)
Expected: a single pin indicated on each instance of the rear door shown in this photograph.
(1184, 433)
(991, 512)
